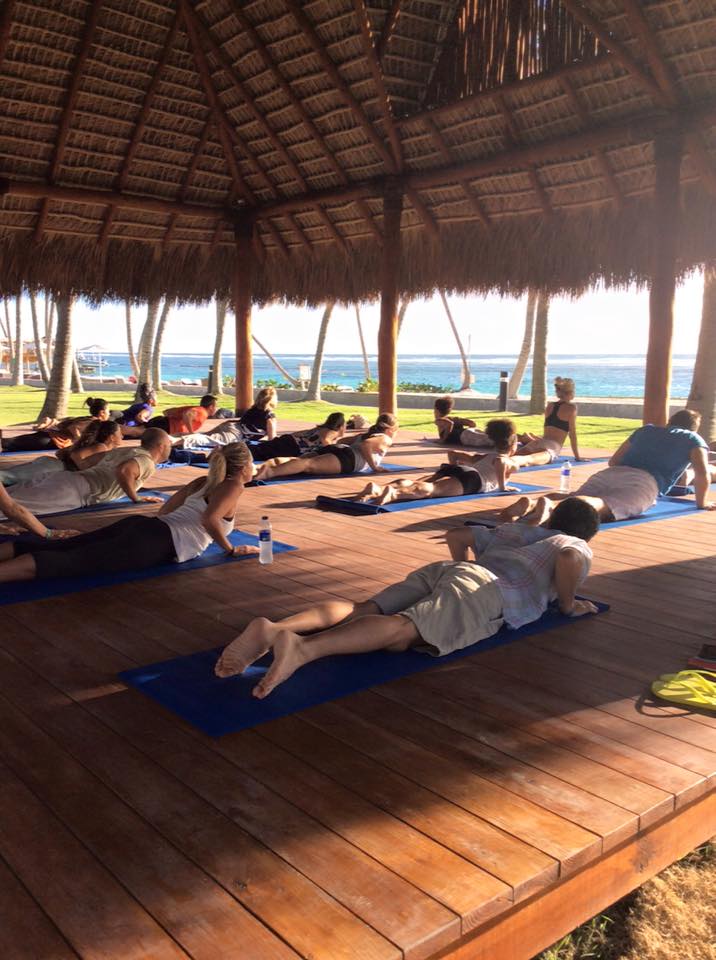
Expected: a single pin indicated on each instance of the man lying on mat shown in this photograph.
(22, 520)
(646, 465)
(482, 474)
(363, 455)
(439, 608)
(119, 473)
(201, 512)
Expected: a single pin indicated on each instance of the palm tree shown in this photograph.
(158, 340)
(513, 387)
(6, 330)
(41, 360)
(366, 365)
(314, 387)
(218, 374)
(58, 388)
(76, 384)
(18, 361)
(146, 344)
(702, 396)
(49, 327)
(277, 363)
(466, 375)
(538, 397)
(134, 366)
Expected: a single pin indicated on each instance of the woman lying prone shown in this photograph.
(201, 512)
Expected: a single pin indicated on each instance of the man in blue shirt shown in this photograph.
(649, 463)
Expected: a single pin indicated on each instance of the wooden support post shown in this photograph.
(243, 297)
(390, 274)
(667, 213)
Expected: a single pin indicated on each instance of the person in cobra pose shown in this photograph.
(363, 455)
(201, 512)
(97, 438)
(486, 473)
(457, 430)
(21, 519)
(294, 444)
(560, 422)
(56, 435)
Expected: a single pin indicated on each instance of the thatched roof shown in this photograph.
(521, 130)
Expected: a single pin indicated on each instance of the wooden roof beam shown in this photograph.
(388, 28)
(470, 192)
(5, 26)
(66, 118)
(511, 140)
(135, 139)
(600, 156)
(247, 97)
(262, 50)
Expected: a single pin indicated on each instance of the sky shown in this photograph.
(602, 322)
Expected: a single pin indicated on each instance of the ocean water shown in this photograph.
(610, 375)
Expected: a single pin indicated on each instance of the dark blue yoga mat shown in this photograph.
(110, 505)
(40, 589)
(188, 687)
(342, 505)
(663, 509)
(390, 467)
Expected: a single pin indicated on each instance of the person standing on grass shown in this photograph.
(439, 608)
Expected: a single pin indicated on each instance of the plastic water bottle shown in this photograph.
(565, 477)
(265, 541)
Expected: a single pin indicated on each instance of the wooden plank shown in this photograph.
(25, 929)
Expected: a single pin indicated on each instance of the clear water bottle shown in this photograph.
(565, 477)
(265, 541)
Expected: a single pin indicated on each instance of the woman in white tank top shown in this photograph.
(201, 512)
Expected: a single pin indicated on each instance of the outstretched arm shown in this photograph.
(127, 475)
(271, 428)
(21, 515)
(568, 571)
(617, 457)
(573, 435)
(702, 478)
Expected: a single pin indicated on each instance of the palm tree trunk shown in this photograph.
(146, 344)
(158, 341)
(538, 397)
(282, 370)
(314, 387)
(518, 373)
(41, 362)
(50, 316)
(702, 396)
(76, 384)
(366, 365)
(466, 376)
(6, 329)
(18, 365)
(55, 404)
(134, 366)
(218, 373)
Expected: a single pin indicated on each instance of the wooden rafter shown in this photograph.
(248, 100)
(188, 176)
(5, 25)
(138, 131)
(262, 50)
(600, 155)
(470, 192)
(667, 83)
(511, 140)
(66, 118)
(388, 28)
(376, 70)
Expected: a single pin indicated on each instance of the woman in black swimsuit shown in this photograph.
(560, 422)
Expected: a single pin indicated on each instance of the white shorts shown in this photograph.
(627, 491)
(472, 437)
(540, 445)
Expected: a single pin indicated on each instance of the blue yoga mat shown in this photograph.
(213, 557)
(342, 505)
(560, 460)
(663, 509)
(390, 467)
(110, 505)
(188, 687)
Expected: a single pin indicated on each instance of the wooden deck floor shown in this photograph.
(479, 810)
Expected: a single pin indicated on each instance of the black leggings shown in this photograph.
(133, 543)
(285, 446)
(39, 440)
(161, 422)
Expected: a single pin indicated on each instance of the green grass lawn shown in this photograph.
(20, 405)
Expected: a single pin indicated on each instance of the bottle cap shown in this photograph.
(264, 518)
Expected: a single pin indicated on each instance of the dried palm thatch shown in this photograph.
(136, 132)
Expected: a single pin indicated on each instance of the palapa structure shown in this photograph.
(348, 149)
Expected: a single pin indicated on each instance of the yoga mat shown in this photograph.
(188, 687)
(663, 509)
(390, 467)
(559, 461)
(110, 505)
(342, 505)
(41, 589)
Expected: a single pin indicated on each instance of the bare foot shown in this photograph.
(370, 490)
(541, 510)
(516, 510)
(288, 656)
(248, 647)
(263, 472)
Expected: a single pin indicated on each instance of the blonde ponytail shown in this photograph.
(226, 462)
(564, 385)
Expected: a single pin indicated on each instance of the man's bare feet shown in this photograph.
(369, 491)
(264, 472)
(248, 647)
(520, 508)
(288, 655)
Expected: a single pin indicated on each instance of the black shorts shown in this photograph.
(470, 480)
(344, 455)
